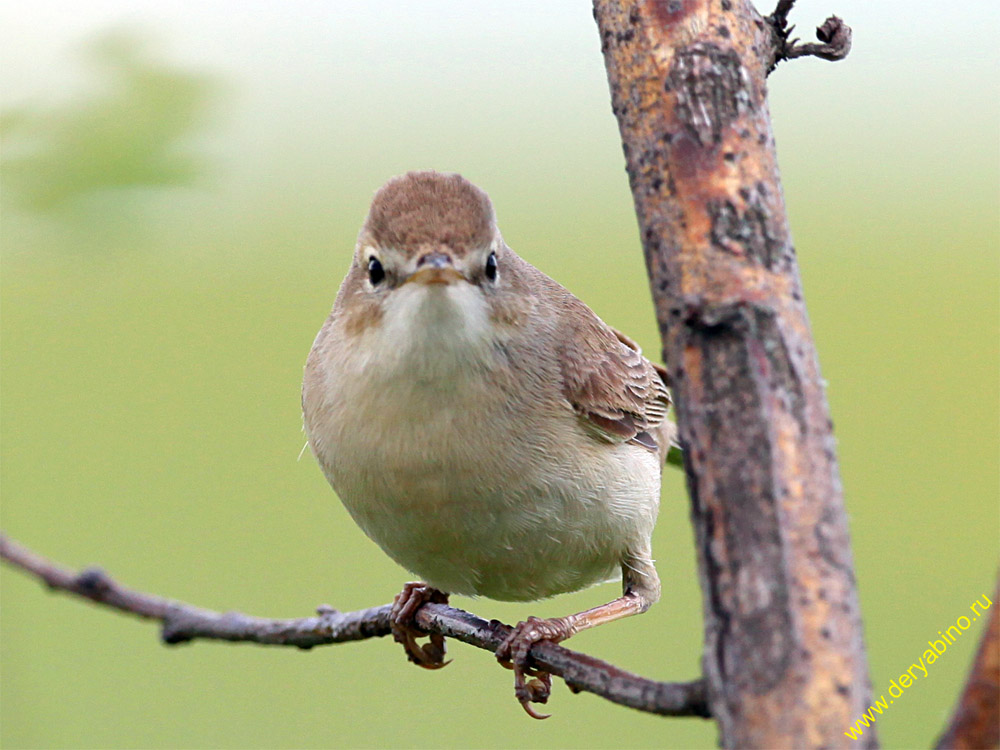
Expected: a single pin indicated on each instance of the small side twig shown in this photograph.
(834, 36)
(184, 622)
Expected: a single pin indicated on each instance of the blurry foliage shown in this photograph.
(127, 134)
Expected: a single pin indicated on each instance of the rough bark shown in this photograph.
(784, 658)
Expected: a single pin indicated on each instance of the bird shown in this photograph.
(482, 425)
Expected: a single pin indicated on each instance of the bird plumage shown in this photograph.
(479, 422)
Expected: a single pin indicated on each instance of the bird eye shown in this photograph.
(375, 271)
(491, 267)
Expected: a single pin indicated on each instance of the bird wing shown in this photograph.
(618, 394)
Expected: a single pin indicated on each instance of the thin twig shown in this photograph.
(834, 37)
(781, 11)
(183, 622)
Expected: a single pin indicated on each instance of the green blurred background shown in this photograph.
(182, 186)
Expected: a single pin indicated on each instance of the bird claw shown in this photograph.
(535, 690)
(404, 608)
(514, 653)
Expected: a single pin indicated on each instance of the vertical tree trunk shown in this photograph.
(784, 657)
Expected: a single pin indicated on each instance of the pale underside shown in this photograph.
(477, 476)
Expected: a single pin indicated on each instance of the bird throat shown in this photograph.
(432, 330)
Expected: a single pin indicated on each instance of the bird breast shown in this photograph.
(464, 469)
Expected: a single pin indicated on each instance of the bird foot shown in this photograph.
(514, 652)
(404, 607)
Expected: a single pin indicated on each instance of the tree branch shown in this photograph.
(834, 36)
(784, 658)
(183, 622)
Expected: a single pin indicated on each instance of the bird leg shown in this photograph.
(404, 607)
(516, 647)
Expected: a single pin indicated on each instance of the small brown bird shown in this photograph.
(482, 425)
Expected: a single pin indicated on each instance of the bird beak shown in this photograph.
(435, 268)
